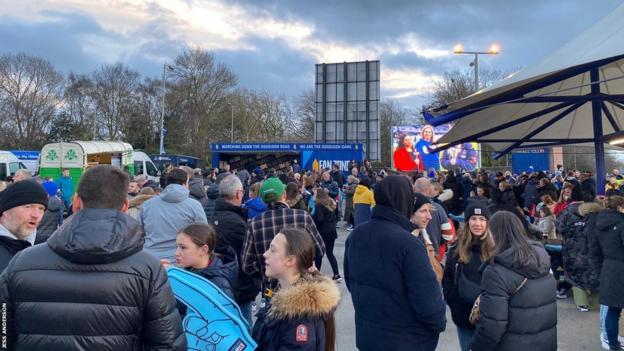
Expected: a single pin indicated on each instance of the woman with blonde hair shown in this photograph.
(462, 276)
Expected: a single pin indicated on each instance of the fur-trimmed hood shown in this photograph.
(589, 207)
(314, 295)
(139, 200)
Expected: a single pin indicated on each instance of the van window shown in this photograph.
(138, 167)
(151, 170)
(15, 166)
(3, 173)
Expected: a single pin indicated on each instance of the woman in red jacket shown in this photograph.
(406, 158)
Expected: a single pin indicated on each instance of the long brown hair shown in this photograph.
(299, 243)
(322, 198)
(466, 240)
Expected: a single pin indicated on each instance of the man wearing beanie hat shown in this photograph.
(22, 206)
(264, 227)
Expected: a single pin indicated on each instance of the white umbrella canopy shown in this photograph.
(551, 101)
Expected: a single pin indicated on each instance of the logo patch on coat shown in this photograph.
(302, 333)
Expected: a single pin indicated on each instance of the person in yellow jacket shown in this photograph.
(363, 202)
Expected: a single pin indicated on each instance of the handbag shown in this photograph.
(475, 312)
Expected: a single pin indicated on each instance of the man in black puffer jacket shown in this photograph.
(91, 286)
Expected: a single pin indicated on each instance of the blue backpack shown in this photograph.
(213, 320)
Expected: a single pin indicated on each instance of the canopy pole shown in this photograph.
(598, 137)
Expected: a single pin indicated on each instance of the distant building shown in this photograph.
(347, 104)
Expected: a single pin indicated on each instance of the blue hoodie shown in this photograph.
(255, 206)
(165, 215)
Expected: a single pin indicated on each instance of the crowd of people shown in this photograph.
(87, 269)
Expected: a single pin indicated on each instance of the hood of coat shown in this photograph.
(97, 236)
(573, 207)
(256, 204)
(225, 266)
(361, 190)
(55, 204)
(196, 188)
(534, 269)
(608, 218)
(139, 200)
(293, 202)
(174, 193)
(589, 207)
(314, 295)
(446, 195)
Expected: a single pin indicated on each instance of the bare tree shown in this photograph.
(305, 118)
(30, 90)
(201, 87)
(143, 127)
(456, 85)
(79, 108)
(113, 92)
(390, 114)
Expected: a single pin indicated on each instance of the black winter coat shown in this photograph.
(222, 271)
(230, 222)
(8, 248)
(513, 317)
(52, 219)
(607, 256)
(91, 287)
(325, 220)
(398, 302)
(576, 246)
(462, 285)
(454, 184)
(209, 203)
(332, 188)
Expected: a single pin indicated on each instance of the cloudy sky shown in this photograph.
(273, 44)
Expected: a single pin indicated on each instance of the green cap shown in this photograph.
(272, 186)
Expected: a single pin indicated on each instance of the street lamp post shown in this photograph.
(494, 50)
(232, 129)
(162, 112)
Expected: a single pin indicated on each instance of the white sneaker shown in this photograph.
(605, 342)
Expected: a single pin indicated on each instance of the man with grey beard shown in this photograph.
(22, 206)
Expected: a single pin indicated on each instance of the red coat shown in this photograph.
(403, 161)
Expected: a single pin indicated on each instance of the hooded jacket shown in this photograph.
(51, 220)
(572, 225)
(515, 316)
(134, 210)
(255, 207)
(397, 299)
(91, 287)
(607, 256)
(363, 201)
(10, 245)
(294, 317)
(222, 271)
(164, 216)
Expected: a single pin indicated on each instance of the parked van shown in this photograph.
(9, 164)
(143, 165)
(78, 156)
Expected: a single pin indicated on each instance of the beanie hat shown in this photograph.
(23, 193)
(476, 210)
(420, 200)
(50, 187)
(272, 186)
